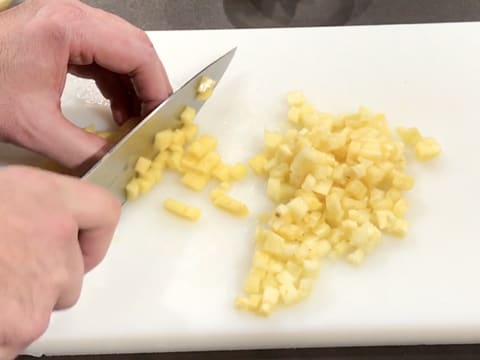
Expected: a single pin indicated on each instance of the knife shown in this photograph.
(115, 169)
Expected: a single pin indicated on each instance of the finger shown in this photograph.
(122, 48)
(70, 292)
(97, 213)
(65, 142)
(114, 87)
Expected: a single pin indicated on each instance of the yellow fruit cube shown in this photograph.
(208, 163)
(205, 88)
(188, 115)
(253, 282)
(409, 136)
(225, 202)
(288, 294)
(174, 161)
(142, 165)
(427, 149)
(356, 189)
(272, 141)
(182, 210)
(257, 163)
(203, 145)
(191, 132)
(132, 190)
(296, 98)
(178, 137)
(403, 181)
(160, 161)
(356, 257)
(195, 181)
(238, 171)
(145, 184)
(294, 115)
(271, 295)
(298, 207)
(400, 208)
(163, 140)
(221, 172)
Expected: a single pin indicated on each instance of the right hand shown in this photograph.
(53, 229)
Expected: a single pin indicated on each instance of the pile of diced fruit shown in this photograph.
(337, 183)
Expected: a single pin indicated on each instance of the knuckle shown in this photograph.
(55, 18)
(62, 227)
(35, 328)
(144, 39)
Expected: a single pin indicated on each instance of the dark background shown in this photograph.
(209, 14)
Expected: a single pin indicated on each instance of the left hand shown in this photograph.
(40, 42)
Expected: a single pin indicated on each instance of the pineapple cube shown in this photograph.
(257, 163)
(323, 187)
(174, 161)
(254, 301)
(261, 260)
(403, 181)
(427, 149)
(203, 145)
(384, 219)
(142, 165)
(294, 115)
(288, 294)
(296, 98)
(272, 141)
(334, 209)
(229, 204)
(253, 282)
(274, 243)
(160, 160)
(356, 257)
(322, 230)
(398, 227)
(188, 115)
(163, 140)
(205, 88)
(271, 295)
(356, 189)
(286, 278)
(195, 181)
(221, 172)
(190, 131)
(294, 269)
(298, 207)
(132, 190)
(323, 248)
(178, 137)
(238, 171)
(400, 208)
(409, 136)
(182, 210)
(207, 163)
(279, 191)
(145, 184)
(309, 183)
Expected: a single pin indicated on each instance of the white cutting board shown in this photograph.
(168, 285)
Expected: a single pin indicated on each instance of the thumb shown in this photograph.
(63, 141)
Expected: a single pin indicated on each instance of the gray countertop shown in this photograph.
(208, 14)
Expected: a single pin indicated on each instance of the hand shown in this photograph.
(42, 40)
(53, 229)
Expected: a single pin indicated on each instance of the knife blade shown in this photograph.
(115, 169)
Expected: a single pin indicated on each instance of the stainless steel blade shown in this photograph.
(116, 168)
